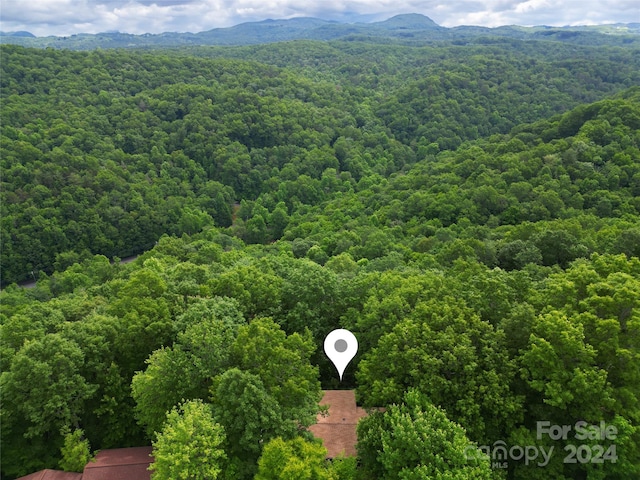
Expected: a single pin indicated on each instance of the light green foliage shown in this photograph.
(559, 365)
(75, 451)
(581, 358)
(415, 440)
(223, 309)
(342, 263)
(295, 459)
(190, 446)
(344, 468)
(600, 298)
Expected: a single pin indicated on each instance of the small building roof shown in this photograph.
(52, 475)
(120, 464)
(338, 429)
(115, 464)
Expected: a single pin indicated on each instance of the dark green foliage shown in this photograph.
(154, 144)
(457, 361)
(105, 152)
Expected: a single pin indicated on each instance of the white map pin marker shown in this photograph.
(341, 346)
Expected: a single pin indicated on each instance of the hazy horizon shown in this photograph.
(68, 17)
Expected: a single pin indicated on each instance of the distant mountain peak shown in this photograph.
(409, 20)
(20, 33)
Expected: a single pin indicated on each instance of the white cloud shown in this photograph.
(531, 6)
(493, 13)
(64, 17)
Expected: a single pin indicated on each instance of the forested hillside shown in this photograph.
(103, 152)
(471, 214)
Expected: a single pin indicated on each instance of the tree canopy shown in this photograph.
(470, 213)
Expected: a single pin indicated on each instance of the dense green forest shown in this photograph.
(471, 213)
(104, 152)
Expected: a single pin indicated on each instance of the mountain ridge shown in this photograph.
(413, 28)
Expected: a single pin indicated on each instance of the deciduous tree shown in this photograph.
(190, 446)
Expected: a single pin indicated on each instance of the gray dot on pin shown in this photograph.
(340, 345)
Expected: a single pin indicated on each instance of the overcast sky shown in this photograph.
(65, 17)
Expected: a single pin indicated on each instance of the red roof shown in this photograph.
(338, 429)
(52, 475)
(120, 464)
(114, 464)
